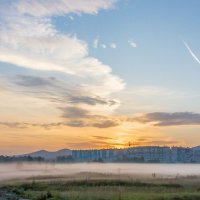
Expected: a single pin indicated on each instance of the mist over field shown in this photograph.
(17, 171)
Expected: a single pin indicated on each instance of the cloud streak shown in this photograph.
(65, 95)
(191, 52)
(79, 118)
(170, 119)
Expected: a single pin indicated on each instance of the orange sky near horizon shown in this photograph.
(24, 140)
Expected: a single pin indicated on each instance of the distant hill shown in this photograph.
(49, 155)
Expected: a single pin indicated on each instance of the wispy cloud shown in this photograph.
(113, 46)
(104, 46)
(71, 18)
(102, 137)
(63, 95)
(152, 91)
(191, 52)
(170, 119)
(132, 43)
(75, 117)
(96, 43)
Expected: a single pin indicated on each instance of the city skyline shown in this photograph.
(140, 154)
(98, 74)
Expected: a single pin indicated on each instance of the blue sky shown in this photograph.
(112, 66)
(158, 28)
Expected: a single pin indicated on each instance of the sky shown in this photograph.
(92, 74)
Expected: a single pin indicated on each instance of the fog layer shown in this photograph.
(27, 170)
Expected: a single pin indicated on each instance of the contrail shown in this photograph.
(191, 52)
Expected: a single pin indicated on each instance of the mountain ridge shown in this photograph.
(48, 154)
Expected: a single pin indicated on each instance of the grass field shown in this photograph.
(110, 188)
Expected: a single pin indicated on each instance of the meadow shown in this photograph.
(101, 189)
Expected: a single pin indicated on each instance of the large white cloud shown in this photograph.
(41, 8)
(31, 41)
(28, 39)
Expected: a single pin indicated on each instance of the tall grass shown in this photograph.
(102, 190)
